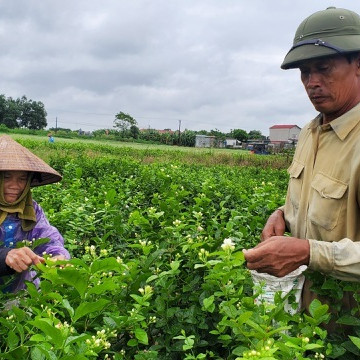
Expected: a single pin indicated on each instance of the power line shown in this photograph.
(74, 123)
(105, 114)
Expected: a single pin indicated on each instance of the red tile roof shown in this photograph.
(283, 126)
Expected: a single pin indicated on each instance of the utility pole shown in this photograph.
(56, 125)
(179, 131)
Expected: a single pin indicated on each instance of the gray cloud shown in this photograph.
(208, 63)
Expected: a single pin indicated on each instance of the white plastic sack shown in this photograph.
(271, 284)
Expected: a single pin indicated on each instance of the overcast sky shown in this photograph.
(197, 64)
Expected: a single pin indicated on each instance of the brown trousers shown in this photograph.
(348, 302)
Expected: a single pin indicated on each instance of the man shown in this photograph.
(322, 208)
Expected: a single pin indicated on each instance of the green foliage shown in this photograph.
(149, 277)
(255, 134)
(239, 134)
(22, 113)
(124, 121)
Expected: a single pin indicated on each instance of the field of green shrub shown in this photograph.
(157, 269)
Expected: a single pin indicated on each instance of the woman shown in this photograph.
(21, 218)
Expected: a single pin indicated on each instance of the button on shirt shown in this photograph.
(323, 198)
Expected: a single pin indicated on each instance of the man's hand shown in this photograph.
(275, 225)
(278, 255)
(20, 259)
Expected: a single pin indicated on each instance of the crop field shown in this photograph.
(157, 269)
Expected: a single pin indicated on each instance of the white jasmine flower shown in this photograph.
(228, 244)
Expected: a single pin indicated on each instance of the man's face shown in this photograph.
(331, 84)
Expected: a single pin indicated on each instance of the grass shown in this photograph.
(148, 153)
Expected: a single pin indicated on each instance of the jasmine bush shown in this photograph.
(158, 272)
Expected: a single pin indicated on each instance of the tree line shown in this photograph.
(22, 113)
(25, 113)
(125, 127)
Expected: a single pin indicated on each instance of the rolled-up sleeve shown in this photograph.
(4, 269)
(340, 259)
(43, 229)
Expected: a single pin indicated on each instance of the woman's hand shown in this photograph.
(21, 259)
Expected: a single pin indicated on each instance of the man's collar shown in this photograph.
(343, 125)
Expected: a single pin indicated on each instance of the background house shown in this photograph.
(284, 134)
(232, 143)
(204, 141)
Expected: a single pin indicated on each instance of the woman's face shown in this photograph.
(14, 184)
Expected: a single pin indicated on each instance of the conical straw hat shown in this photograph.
(14, 156)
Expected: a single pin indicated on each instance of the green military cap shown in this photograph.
(324, 33)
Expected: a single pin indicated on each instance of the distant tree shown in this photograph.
(3, 105)
(188, 138)
(22, 113)
(12, 113)
(217, 133)
(123, 122)
(255, 134)
(134, 131)
(202, 132)
(239, 134)
(60, 129)
(33, 114)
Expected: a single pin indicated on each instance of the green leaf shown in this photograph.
(54, 334)
(78, 172)
(107, 285)
(140, 300)
(153, 257)
(174, 265)
(38, 338)
(151, 278)
(137, 219)
(79, 338)
(209, 303)
(110, 196)
(312, 346)
(197, 266)
(86, 308)
(317, 310)
(141, 335)
(355, 340)
(103, 265)
(348, 320)
(20, 331)
(39, 242)
(36, 354)
(256, 327)
(68, 307)
(12, 340)
(146, 355)
(132, 342)
(239, 350)
(230, 311)
(19, 313)
(32, 290)
(76, 279)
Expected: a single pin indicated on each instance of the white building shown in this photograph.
(204, 141)
(284, 133)
(232, 143)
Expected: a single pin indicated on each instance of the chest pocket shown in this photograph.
(295, 183)
(327, 202)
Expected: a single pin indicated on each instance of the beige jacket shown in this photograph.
(323, 198)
